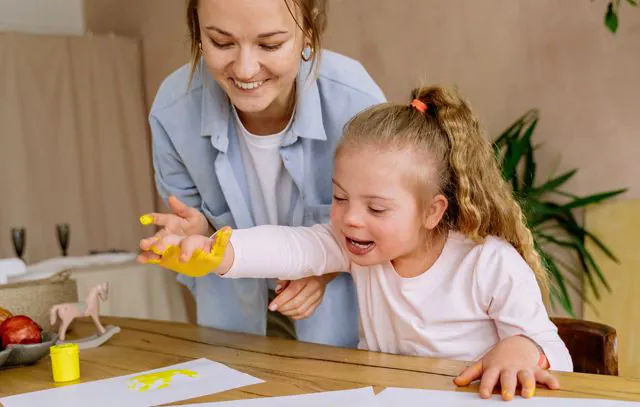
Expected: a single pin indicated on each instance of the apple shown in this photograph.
(19, 329)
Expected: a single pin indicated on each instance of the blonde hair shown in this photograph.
(314, 22)
(458, 162)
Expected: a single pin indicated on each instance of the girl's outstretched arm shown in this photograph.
(267, 251)
(287, 253)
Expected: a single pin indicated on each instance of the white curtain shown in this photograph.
(74, 145)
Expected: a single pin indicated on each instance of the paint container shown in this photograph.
(65, 362)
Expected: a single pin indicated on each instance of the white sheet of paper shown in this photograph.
(417, 397)
(357, 397)
(159, 386)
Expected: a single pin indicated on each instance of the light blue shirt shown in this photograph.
(196, 157)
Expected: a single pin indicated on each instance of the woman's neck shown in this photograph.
(273, 119)
(421, 259)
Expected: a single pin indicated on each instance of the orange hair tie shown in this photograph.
(419, 105)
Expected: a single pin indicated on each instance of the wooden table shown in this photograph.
(288, 367)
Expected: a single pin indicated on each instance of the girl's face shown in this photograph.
(252, 48)
(375, 211)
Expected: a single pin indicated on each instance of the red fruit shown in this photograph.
(19, 330)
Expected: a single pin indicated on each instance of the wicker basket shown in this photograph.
(35, 298)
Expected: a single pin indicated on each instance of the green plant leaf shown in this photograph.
(529, 175)
(543, 212)
(569, 225)
(602, 246)
(595, 267)
(506, 137)
(554, 183)
(510, 162)
(567, 267)
(586, 261)
(515, 128)
(633, 2)
(515, 147)
(555, 295)
(573, 228)
(563, 295)
(595, 198)
(530, 168)
(517, 150)
(507, 161)
(576, 246)
(611, 18)
(551, 222)
(566, 194)
(507, 134)
(574, 287)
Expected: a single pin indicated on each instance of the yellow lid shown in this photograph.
(68, 348)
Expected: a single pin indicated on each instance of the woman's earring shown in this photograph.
(307, 53)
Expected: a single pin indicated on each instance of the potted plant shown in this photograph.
(549, 211)
(613, 10)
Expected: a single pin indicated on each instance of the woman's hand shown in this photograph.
(184, 221)
(511, 362)
(298, 299)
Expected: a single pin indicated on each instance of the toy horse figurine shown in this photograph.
(69, 311)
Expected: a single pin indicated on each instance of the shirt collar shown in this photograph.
(216, 109)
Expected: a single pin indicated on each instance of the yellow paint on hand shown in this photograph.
(507, 396)
(146, 219)
(222, 240)
(200, 263)
(165, 377)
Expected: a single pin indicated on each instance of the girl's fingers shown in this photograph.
(508, 383)
(163, 243)
(545, 377)
(148, 257)
(468, 375)
(488, 382)
(192, 243)
(528, 383)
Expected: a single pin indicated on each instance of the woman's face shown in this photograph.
(252, 48)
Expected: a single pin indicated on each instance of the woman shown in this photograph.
(245, 135)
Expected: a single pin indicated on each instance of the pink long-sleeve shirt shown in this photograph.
(473, 296)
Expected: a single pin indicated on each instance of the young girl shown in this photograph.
(443, 262)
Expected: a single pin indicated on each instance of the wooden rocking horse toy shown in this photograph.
(90, 307)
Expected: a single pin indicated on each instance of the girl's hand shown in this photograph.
(511, 362)
(155, 246)
(194, 256)
(298, 299)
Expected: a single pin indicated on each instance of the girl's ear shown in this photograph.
(434, 211)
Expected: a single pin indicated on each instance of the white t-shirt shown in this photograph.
(473, 296)
(270, 185)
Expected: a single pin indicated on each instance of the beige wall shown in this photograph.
(63, 17)
(506, 56)
(159, 23)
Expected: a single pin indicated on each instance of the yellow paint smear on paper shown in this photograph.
(165, 377)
